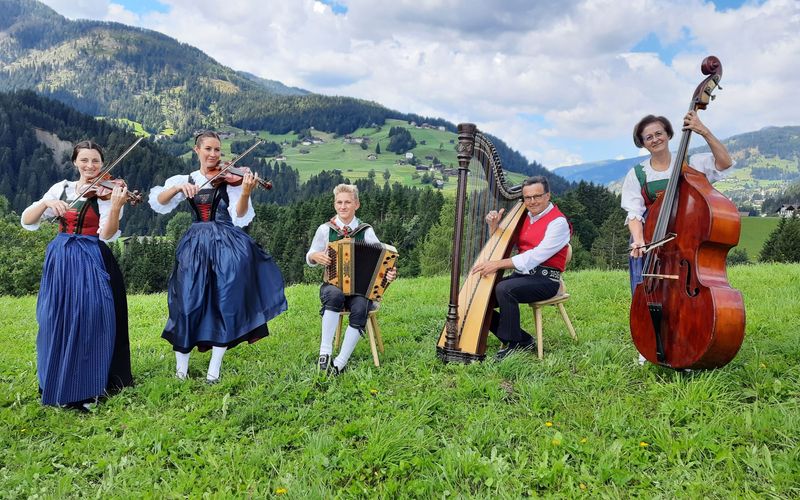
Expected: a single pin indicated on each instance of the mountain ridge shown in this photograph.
(171, 88)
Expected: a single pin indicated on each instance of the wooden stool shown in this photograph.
(558, 300)
(373, 332)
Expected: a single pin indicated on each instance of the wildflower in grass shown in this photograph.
(374, 392)
(584, 440)
(582, 486)
(548, 424)
(556, 441)
(280, 491)
(644, 444)
(762, 365)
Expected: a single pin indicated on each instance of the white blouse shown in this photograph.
(69, 187)
(632, 199)
(234, 193)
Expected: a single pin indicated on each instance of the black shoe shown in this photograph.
(335, 370)
(514, 347)
(324, 362)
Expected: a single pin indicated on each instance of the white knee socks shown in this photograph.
(351, 336)
(216, 363)
(181, 364)
(330, 321)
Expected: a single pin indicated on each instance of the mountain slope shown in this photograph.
(121, 72)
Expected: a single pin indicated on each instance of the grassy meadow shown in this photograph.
(334, 154)
(587, 421)
(755, 231)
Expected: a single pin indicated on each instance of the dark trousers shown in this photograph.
(512, 291)
(333, 299)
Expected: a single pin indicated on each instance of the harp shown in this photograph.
(482, 187)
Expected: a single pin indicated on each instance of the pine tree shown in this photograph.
(610, 248)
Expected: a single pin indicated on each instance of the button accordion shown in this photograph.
(359, 268)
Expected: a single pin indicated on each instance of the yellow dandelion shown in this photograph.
(281, 491)
(584, 440)
(373, 391)
(582, 486)
(548, 424)
(644, 444)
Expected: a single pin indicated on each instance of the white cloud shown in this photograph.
(568, 64)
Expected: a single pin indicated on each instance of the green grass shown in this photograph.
(755, 231)
(585, 421)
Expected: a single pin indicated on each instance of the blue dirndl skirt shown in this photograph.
(223, 289)
(75, 312)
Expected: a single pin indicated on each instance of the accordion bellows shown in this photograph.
(359, 268)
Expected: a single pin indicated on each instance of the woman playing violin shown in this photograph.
(224, 287)
(647, 180)
(82, 346)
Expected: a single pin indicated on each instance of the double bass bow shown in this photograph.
(684, 313)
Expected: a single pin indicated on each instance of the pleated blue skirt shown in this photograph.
(223, 289)
(75, 312)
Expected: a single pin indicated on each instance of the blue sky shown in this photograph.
(562, 82)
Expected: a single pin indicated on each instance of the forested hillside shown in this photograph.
(30, 129)
(170, 88)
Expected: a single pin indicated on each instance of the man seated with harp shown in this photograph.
(542, 241)
(344, 225)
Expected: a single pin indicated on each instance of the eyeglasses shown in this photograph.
(535, 197)
(652, 137)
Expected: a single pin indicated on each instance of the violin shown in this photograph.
(233, 176)
(103, 188)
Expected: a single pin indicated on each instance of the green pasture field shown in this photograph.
(586, 421)
(334, 154)
(755, 231)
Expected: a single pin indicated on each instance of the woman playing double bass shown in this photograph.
(647, 180)
(684, 313)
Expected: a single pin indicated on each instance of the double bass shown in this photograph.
(684, 314)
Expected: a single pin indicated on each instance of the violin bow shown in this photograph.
(232, 163)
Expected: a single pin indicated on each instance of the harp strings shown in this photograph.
(483, 195)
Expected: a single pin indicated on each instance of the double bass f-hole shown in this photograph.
(690, 281)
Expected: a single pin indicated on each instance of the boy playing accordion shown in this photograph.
(343, 225)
